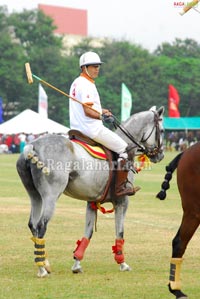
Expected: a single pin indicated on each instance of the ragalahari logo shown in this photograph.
(179, 4)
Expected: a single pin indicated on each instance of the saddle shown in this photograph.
(101, 153)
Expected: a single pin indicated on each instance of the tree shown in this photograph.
(11, 78)
(180, 63)
(179, 48)
(27, 38)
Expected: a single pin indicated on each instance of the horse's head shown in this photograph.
(152, 134)
(145, 130)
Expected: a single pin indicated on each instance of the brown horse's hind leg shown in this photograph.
(186, 231)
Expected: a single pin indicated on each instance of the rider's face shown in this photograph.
(93, 70)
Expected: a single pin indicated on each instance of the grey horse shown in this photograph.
(52, 165)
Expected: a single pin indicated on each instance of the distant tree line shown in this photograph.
(28, 37)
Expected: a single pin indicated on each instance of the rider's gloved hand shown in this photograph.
(107, 118)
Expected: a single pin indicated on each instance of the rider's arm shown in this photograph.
(91, 113)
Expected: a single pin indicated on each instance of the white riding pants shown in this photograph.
(112, 141)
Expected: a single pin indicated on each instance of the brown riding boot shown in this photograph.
(121, 187)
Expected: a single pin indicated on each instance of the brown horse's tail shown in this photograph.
(168, 176)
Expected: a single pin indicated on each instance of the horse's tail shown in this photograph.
(23, 165)
(31, 155)
(168, 176)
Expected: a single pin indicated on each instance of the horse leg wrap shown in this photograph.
(81, 247)
(118, 250)
(175, 269)
(40, 253)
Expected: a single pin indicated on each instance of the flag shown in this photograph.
(42, 102)
(1, 111)
(173, 102)
(126, 102)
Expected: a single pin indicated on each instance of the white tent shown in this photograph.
(28, 122)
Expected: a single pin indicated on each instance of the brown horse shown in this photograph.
(187, 164)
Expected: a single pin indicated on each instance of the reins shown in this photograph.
(117, 124)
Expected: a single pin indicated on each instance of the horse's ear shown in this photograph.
(161, 111)
(153, 108)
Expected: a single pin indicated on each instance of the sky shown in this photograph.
(147, 23)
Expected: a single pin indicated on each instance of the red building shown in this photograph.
(67, 20)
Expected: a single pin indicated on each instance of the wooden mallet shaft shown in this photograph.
(30, 77)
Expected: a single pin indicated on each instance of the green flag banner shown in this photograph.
(126, 102)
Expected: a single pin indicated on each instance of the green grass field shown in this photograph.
(149, 228)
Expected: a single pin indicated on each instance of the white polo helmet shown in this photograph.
(89, 58)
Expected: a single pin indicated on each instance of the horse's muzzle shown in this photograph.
(156, 158)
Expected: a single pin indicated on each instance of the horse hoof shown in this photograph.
(47, 266)
(42, 272)
(124, 267)
(177, 293)
(76, 268)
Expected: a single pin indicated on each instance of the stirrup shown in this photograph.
(128, 191)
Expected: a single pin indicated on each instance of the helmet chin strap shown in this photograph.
(87, 72)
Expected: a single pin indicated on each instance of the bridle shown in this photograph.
(149, 152)
(158, 148)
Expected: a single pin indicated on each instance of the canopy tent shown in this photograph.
(28, 122)
(182, 123)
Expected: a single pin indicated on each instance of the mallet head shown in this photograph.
(28, 73)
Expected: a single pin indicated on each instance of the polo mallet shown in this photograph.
(30, 77)
(189, 6)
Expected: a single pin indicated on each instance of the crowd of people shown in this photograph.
(181, 140)
(14, 143)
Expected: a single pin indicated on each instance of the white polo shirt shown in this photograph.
(84, 90)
